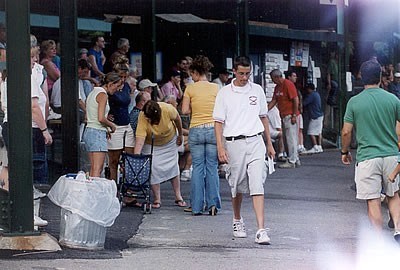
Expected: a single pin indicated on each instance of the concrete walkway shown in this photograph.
(311, 211)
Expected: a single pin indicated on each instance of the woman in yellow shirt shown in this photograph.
(161, 120)
(198, 100)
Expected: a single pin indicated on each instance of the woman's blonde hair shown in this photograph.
(121, 64)
(111, 77)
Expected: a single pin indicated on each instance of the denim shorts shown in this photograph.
(95, 140)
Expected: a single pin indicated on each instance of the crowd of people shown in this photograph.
(192, 126)
(181, 119)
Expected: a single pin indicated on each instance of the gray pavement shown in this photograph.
(310, 211)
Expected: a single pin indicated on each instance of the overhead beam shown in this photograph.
(310, 35)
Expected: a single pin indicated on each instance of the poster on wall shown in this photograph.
(136, 61)
(273, 61)
(299, 52)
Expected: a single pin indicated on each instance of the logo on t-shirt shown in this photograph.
(253, 100)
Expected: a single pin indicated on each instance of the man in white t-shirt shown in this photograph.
(275, 130)
(223, 77)
(240, 115)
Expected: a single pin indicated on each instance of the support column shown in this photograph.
(19, 117)
(343, 62)
(242, 27)
(69, 85)
(149, 42)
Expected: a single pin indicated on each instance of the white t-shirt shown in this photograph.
(218, 81)
(36, 92)
(3, 89)
(240, 109)
(274, 118)
(55, 98)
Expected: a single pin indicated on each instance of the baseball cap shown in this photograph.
(397, 74)
(145, 83)
(175, 73)
(224, 71)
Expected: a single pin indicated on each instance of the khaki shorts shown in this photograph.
(246, 171)
(300, 121)
(315, 126)
(117, 138)
(371, 177)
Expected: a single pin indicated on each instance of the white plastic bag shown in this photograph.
(94, 199)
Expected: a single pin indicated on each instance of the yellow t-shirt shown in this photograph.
(164, 131)
(202, 96)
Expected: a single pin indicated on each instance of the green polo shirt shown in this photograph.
(374, 113)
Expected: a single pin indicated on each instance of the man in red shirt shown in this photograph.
(286, 98)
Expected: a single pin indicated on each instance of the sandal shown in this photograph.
(133, 203)
(180, 203)
(156, 205)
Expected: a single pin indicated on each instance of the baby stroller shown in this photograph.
(134, 180)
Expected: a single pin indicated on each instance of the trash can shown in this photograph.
(88, 207)
(77, 232)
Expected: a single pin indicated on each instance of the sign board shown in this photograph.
(332, 2)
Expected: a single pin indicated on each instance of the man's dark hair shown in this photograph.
(289, 73)
(370, 72)
(83, 63)
(243, 61)
(95, 39)
(310, 86)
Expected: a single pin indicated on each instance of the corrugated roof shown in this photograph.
(181, 18)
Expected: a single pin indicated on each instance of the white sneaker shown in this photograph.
(53, 115)
(301, 149)
(37, 194)
(319, 149)
(185, 175)
(310, 151)
(37, 221)
(262, 237)
(239, 230)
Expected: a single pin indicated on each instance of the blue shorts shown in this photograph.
(95, 140)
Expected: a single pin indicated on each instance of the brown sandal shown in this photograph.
(156, 205)
(180, 203)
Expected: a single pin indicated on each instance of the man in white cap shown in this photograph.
(151, 88)
(394, 87)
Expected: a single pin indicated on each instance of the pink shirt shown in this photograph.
(170, 89)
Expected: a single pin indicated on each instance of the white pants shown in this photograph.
(291, 135)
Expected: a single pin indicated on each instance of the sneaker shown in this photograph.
(310, 151)
(185, 175)
(262, 237)
(287, 165)
(37, 221)
(319, 148)
(53, 115)
(301, 149)
(396, 237)
(298, 163)
(37, 194)
(239, 230)
(281, 158)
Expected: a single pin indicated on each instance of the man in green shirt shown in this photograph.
(332, 79)
(374, 113)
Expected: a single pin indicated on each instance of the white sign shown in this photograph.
(333, 2)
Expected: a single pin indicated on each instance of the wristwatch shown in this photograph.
(344, 153)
